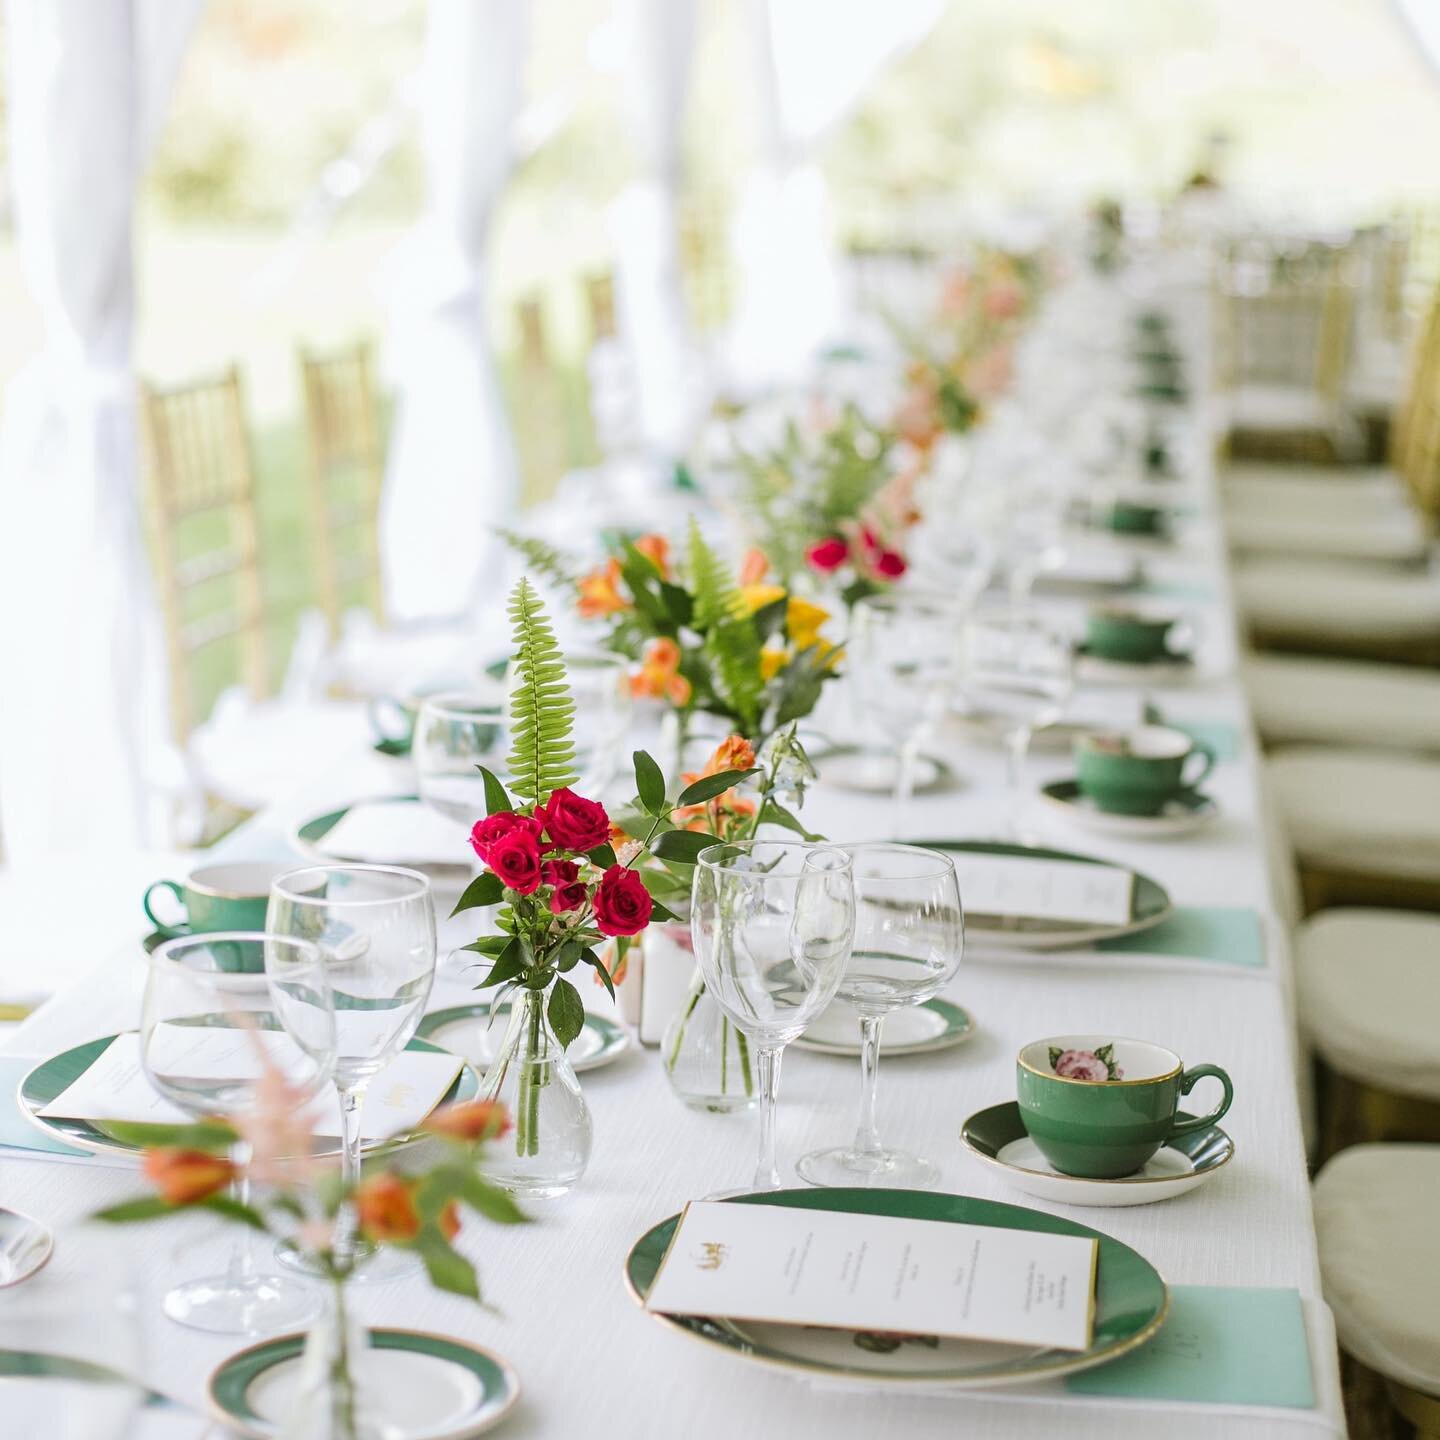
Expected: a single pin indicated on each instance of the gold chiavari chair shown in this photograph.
(705, 261)
(201, 485)
(538, 402)
(347, 468)
(600, 306)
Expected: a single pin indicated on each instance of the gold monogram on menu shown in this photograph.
(712, 1255)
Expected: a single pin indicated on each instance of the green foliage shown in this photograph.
(732, 643)
(542, 755)
(214, 1137)
(486, 889)
(649, 784)
(546, 560)
(566, 1011)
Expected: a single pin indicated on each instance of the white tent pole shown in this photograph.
(452, 471)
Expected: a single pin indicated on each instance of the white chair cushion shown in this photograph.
(1369, 984)
(1360, 810)
(1392, 536)
(1343, 702)
(1379, 1255)
(1328, 491)
(1327, 601)
(1278, 407)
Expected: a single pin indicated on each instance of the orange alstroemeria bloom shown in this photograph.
(600, 593)
(733, 753)
(470, 1120)
(185, 1176)
(386, 1210)
(660, 677)
(754, 567)
(448, 1220)
(656, 549)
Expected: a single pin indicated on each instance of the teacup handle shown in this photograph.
(1207, 755)
(1188, 1081)
(382, 711)
(1186, 633)
(165, 927)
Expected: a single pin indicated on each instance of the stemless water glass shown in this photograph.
(375, 928)
(902, 660)
(772, 923)
(456, 731)
(217, 1010)
(909, 935)
(1016, 671)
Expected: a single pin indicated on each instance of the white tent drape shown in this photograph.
(82, 713)
(453, 472)
(1422, 19)
(790, 293)
(645, 222)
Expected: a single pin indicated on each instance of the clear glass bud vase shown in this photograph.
(707, 1060)
(330, 1401)
(548, 1145)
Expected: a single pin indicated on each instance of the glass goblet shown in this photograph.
(909, 936)
(218, 1011)
(375, 929)
(772, 923)
(456, 731)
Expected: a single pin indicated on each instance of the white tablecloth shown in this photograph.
(593, 1364)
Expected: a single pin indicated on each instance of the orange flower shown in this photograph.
(184, 1176)
(385, 1209)
(656, 549)
(754, 567)
(448, 1220)
(470, 1120)
(660, 677)
(917, 419)
(733, 753)
(600, 593)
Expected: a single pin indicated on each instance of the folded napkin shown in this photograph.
(18, 1133)
(1227, 934)
(395, 832)
(1220, 735)
(1220, 1344)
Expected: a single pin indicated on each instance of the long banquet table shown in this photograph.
(591, 1363)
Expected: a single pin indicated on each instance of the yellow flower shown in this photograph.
(803, 620)
(757, 597)
(772, 662)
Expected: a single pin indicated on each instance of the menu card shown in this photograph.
(1044, 889)
(876, 1272)
(116, 1087)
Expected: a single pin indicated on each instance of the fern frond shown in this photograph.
(732, 644)
(546, 560)
(542, 714)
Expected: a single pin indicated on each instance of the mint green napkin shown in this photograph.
(1220, 735)
(1227, 934)
(1174, 590)
(1221, 1345)
(15, 1130)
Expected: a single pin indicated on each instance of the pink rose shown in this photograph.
(1083, 1065)
(515, 858)
(622, 903)
(827, 555)
(573, 822)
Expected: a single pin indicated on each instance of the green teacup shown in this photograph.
(1131, 517)
(1100, 1108)
(1133, 634)
(1136, 772)
(217, 897)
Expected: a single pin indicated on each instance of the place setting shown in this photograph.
(1138, 644)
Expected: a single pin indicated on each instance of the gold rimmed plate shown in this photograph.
(1131, 1301)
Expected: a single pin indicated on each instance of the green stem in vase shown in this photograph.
(674, 1057)
(724, 1055)
(742, 1046)
(342, 1382)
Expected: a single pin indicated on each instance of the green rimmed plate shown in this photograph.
(466, 1030)
(913, 1030)
(1150, 903)
(420, 1386)
(53, 1076)
(307, 837)
(1130, 1303)
(997, 1138)
(872, 771)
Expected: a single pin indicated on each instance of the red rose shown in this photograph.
(573, 822)
(515, 858)
(493, 827)
(567, 897)
(827, 555)
(622, 903)
(559, 872)
(890, 564)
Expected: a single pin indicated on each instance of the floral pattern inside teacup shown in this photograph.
(1096, 1064)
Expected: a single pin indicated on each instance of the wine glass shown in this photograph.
(375, 929)
(1016, 669)
(456, 731)
(218, 1010)
(902, 662)
(772, 923)
(909, 934)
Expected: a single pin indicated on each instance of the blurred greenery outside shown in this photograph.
(1007, 102)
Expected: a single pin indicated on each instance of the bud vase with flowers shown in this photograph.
(563, 893)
